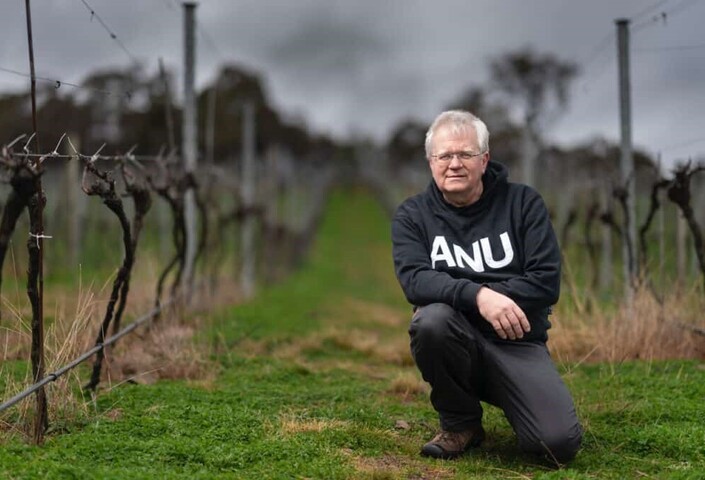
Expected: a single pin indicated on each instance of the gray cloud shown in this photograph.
(361, 66)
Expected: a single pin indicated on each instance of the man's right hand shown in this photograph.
(505, 316)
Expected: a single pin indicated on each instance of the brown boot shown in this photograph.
(452, 444)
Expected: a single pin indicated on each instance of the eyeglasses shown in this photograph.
(462, 155)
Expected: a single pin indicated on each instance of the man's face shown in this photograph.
(460, 180)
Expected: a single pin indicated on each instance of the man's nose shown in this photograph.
(455, 162)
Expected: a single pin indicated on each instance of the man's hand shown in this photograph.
(505, 316)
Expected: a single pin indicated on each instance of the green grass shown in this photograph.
(315, 375)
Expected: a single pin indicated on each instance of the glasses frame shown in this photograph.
(463, 156)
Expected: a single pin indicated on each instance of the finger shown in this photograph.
(525, 325)
(500, 331)
(521, 318)
(523, 321)
(507, 327)
(516, 325)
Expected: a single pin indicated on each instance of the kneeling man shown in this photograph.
(478, 258)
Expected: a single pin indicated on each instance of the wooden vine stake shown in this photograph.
(25, 180)
(35, 292)
(35, 270)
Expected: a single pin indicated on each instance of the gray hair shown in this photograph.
(459, 121)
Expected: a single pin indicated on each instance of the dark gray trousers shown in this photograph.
(463, 367)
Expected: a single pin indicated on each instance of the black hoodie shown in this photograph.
(504, 241)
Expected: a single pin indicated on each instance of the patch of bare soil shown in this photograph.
(391, 466)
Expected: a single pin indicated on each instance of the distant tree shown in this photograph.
(477, 100)
(14, 118)
(112, 97)
(540, 84)
(505, 135)
(406, 143)
(234, 86)
(57, 113)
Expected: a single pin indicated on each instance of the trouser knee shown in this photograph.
(558, 446)
(431, 327)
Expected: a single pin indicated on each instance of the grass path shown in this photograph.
(314, 380)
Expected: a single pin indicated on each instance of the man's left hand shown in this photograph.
(505, 316)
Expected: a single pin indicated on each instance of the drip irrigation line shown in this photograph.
(85, 356)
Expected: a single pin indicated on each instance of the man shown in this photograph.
(478, 259)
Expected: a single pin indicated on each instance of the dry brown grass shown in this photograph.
(64, 340)
(290, 423)
(379, 348)
(382, 347)
(166, 350)
(376, 313)
(408, 384)
(649, 330)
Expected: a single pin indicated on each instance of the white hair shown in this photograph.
(459, 121)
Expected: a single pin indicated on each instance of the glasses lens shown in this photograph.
(464, 156)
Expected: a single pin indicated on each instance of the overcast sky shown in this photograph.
(360, 66)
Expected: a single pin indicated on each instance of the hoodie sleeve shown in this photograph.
(421, 284)
(539, 285)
